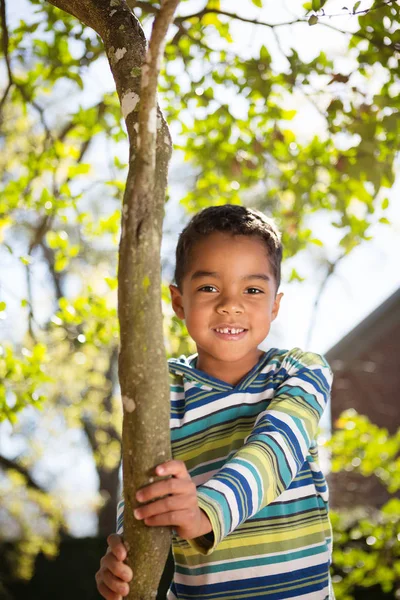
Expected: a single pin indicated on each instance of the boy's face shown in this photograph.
(229, 284)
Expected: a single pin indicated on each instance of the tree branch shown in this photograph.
(56, 277)
(109, 377)
(70, 125)
(377, 43)
(146, 142)
(87, 425)
(46, 222)
(5, 45)
(85, 11)
(206, 11)
(31, 315)
(356, 12)
(145, 6)
(330, 270)
(9, 464)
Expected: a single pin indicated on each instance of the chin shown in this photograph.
(230, 355)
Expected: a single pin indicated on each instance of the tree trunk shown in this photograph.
(142, 363)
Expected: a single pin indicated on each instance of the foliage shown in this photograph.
(361, 445)
(20, 377)
(366, 545)
(39, 519)
(62, 172)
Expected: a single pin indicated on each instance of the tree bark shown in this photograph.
(143, 370)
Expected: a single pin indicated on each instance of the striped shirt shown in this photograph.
(251, 450)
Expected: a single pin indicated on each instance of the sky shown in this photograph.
(362, 281)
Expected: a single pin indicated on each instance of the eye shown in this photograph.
(254, 291)
(207, 288)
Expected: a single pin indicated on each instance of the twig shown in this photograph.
(5, 45)
(225, 13)
(31, 316)
(331, 269)
(148, 101)
(49, 258)
(358, 12)
(362, 36)
(206, 11)
(182, 31)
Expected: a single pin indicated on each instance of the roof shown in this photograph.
(378, 324)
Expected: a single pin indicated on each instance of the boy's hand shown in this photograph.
(173, 502)
(113, 576)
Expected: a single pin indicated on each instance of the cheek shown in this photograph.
(197, 315)
(263, 315)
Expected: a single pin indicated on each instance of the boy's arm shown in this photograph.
(274, 451)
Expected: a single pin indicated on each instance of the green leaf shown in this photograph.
(3, 306)
(356, 5)
(317, 4)
(313, 20)
(39, 352)
(111, 282)
(119, 164)
(294, 276)
(80, 169)
(60, 263)
(257, 3)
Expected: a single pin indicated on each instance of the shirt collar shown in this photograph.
(185, 366)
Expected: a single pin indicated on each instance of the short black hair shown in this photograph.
(232, 219)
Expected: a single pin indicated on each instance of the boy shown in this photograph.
(247, 501)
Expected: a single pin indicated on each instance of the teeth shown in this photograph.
(226, 330)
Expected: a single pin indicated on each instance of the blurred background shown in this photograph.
(292, 109)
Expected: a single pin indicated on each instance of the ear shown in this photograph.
(177, 302)
(275, 308)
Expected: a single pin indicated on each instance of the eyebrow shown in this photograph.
(200, 274)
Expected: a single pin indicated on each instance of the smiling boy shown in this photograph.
(247, 500)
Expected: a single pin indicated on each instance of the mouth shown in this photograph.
(230, 333)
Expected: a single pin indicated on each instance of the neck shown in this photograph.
(229, 372)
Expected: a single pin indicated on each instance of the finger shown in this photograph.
(107, 593)
(164, 505)
(116, 546)
(177, 518)
(114, 583)
(165, 488)
(116, 567)
(176, 468)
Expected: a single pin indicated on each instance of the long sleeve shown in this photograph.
(120, 517)
(275, 450)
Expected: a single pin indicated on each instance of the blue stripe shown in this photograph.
(306, 581)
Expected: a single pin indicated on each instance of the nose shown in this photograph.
(229, 305)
